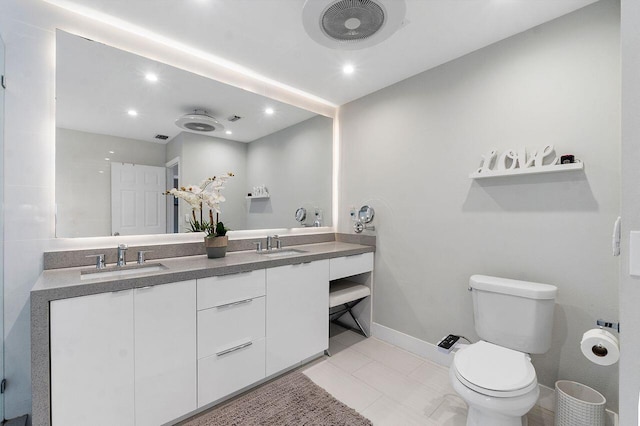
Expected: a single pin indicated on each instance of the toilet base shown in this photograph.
(491, 411)
(476, 417)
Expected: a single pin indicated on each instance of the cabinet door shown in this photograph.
(165, 356)
(297, 313)
(92, 360)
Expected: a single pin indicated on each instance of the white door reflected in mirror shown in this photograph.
(138, 205)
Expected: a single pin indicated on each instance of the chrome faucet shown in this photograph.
(100, 263)
(141, 254)
(270, 239)
(122, 255)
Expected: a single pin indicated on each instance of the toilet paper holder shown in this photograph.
(614, 325)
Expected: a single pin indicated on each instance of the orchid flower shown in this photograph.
(207, 194)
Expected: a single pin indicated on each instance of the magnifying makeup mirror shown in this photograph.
(301, 214)
(365, 215)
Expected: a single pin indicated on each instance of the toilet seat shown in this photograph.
(494, 370)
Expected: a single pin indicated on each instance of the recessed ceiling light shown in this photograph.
(132, 112)
(268, 111)
(111, 152)
(106, 158)
(101, 171)
(151, 77)
(348, 69)
(229, 132)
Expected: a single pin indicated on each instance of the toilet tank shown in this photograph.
(514, 314)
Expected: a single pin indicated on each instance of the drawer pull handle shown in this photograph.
(228, 305)
(235, 348)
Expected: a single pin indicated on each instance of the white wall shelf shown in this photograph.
(554, 168)
(257, 197)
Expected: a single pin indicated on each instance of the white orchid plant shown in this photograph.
(208, 194)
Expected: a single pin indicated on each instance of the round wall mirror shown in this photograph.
(301, 214)
(366, 214)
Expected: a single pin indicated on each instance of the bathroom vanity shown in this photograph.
(162, 343)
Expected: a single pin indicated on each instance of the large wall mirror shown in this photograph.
(118, 147)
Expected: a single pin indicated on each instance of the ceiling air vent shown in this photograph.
(234, 118)
(352, 24)
(352, 20)
(199, 121)
(162, 137)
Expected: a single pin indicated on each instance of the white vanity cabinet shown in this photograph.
(231, 334)
(92, 360)
(125, 358)
(150, 355)
(165, 352)
(297, 313)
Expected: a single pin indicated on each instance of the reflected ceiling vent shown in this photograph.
(199, 121)
(233, 118)
(352, 24)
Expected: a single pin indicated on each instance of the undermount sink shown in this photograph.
(282, 252)
(115, 271)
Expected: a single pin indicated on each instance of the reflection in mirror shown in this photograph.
(118, 147)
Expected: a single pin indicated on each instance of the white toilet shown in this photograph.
(495, 376)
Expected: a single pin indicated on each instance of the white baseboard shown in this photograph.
(547, 399)
(411, 344)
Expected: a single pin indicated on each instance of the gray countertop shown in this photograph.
(65, 283)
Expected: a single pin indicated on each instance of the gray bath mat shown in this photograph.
(290, 400)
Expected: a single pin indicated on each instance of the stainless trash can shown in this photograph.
(578, 405)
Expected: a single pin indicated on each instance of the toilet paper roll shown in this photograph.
(600, 347)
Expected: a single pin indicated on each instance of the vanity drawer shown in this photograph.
(220, 327)
(224, 289)
(223, 374)
(341, 267)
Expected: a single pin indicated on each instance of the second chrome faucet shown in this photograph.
(122, 255)
(270, 240)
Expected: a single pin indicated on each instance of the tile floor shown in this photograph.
(390, 386)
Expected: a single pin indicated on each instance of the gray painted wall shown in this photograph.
(407, 150)
(295, 164)
(83, 194)
(630, 286)
(174, 147)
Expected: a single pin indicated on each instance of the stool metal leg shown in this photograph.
(364, 333)
(334, 317)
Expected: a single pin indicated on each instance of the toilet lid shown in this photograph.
(494, 368)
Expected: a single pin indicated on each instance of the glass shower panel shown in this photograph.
(2, 225)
